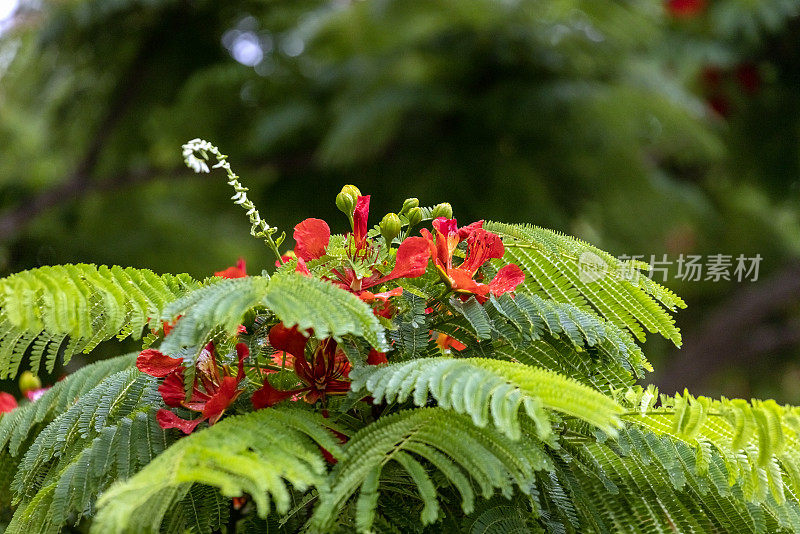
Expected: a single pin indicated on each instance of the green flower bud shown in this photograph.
(408, 204)
(345, 203)
(29, 382)
(442, 210)
(353, 191)
(390, 227)
(414, 216)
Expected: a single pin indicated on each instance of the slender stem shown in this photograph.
(259, 227)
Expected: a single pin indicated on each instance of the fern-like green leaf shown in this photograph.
(68, 309)
(448, 442)
(108, 433)
(759, 441)
(208, 310)
(257, 453)
(478, 387)
(330, 311)
(556, 267)
(644, 483)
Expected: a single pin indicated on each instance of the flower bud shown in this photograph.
(414, 216)
(345, 203)
(390, 227)
(408, 204)
(442, 210)
(352, 191)
(29, 382)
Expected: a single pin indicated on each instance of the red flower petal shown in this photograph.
(166, 419)
(461, 281)
(368, 297)
(447, 342)
(158, 364)
(481, 247)
(170, 325)
(507, 279)
(748, 77)
(327, 455)
(269, 396)
(242, 352)
(220, 400)
(301, 267)
(7, 402)
(239, 271)
(289, 340)
(376, 358)
(312, 237)
(447, 239)
(171, 389)
(360, 215)
(411, 260)
(465, 231)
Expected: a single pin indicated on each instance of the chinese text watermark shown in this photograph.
(686, 267)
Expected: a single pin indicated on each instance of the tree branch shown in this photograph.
(78, 182)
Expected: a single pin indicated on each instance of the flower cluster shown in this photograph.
(212, 391)
(366, 267)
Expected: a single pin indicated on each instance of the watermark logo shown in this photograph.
(591, 267)
(686, 267)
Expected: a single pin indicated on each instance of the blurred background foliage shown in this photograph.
(645, 127)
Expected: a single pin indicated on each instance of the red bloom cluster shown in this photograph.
(481, 247)
(326, 374)
(313, 235)
(212, 392)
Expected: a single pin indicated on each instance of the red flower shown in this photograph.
(239, 271)
(481, 247)
(376, 358)
(322, 377)
(7, 402)
(410, 262)
(712, 76)
(685, 9)
(720, 105)
(326, 374)
(212, 393)
(313, 235)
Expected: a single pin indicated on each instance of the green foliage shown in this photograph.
(479, 386)
(524, 318)
(210, 310)
(330, 311)
(758, 441)
(645, 483)
(109, 433)
(256, 453)
(568, 270)
(63, 310)
(442, 439)
(401, 446)
(17, 426)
